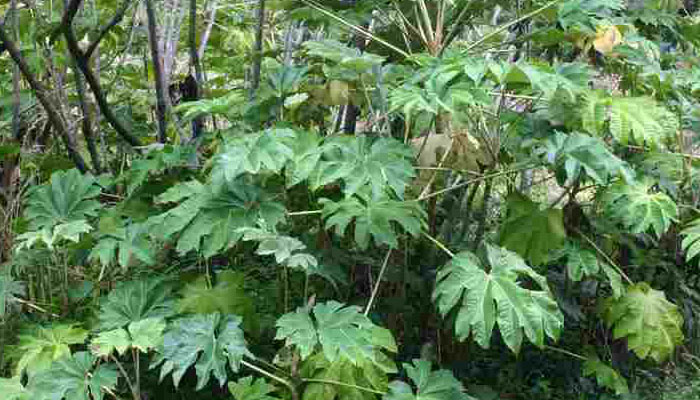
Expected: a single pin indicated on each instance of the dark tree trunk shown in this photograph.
(162, 105)
(257, 51)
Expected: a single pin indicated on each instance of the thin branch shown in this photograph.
(103, 32)
(379, 281)
(469, 182)
(566, 352)
(607, 257)
(299, 213)
(348, 385)
(439, 244)
(288, 384)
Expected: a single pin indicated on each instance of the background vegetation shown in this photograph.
(351, 200)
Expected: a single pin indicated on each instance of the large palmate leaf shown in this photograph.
(125, 246)
(251, 389)
(485, 292)
(306, 154)
(376, 218)
(652, 325)
(143, 335)
(429, 384)
(365, 373)
(135, 301)
(639, 208)
(605, 375)
(10, 290)
(382, 164)
(70, 196)
(265, 151)
(691, 240)
(339, 330)
(12, 389)
(74, 378)
(210, 218)
(531, 231)
(44, 345)
(227, 296)
(210, 342)
(576, 153)
(641, 120)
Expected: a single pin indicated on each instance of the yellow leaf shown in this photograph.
(607, 37)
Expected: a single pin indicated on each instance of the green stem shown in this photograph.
(300, 213)
(288, 384)
(439, 244)
(607, 257)
(566, 352)
(348, 385)
(134, 393)
(379, 281)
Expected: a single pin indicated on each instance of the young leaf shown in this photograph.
(134, 301)
(652, 325)
(45, 345)
(249, 389)
(429, 384)
(365, 374)
(68, 197)
(217, 337)
(485, 292)
(376, 218)
(691, 240)
(639, 208)
(341, 331)
(531, 231)
(382, 164)
(605, 375)
(73, 378)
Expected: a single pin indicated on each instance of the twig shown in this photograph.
(34, 306)
(439, 244)
(289, 385)
(379, 281)
(300, 213)
(607, 258)
(566, 352)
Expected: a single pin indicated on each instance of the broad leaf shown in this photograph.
(605, 375)
(639, 208)
(429, 384)
(691, 240)
(375, 218)
(652, 325)
(125, 246)
(382, 164)
(580, 262)
(365, 373)
(485, 292)
(531, 231)
(45, 345)
(340, 331)
(68, 197)
(209, 342)
(135, 301)
(74, 378)
(641, 120)
(226, 297)
(249, 389)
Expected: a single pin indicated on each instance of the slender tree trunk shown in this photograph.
(211, 17)
(44, 97)
(194, 61)
(87, 123)
(161, 107)
(16, 100)
(257, 51)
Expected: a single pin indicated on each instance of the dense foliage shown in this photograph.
(336, 200)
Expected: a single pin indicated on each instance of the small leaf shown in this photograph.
(249, 389)
(429, 384)
(605, 375)
(691, 240)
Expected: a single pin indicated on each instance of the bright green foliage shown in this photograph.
(49, 236)
(639, 208)
(691, 240)
(143, 335)
(210, 218)
(307, 152)
(124, 245)
(251, 389)
(605, 375)
(641, 120)
(365, 373)
(652, 325)
(382, 164)
(160, 157)
(531, 231)
(343, 55)
(341, 331)
(375, 218)
(12, 389)
(486, 292)
(226, 297)
(68, 197)
(576, 152)
(46, 345)
(217, 106)
(286, 249)
(73, 378)
(586, 14)
(134, 301)
(429, 384)
(266, 151)
(217, 337)
(10, 290)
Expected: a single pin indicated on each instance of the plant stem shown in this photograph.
(566, 352)
(134, 393)
(439, 244)
(300, 213)
(607, 257)
(379, 281)
(330, 382)
(288, 384)
(463, 184)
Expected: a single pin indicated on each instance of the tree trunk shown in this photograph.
(257, 51)
(194, 61)
(158, 69)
